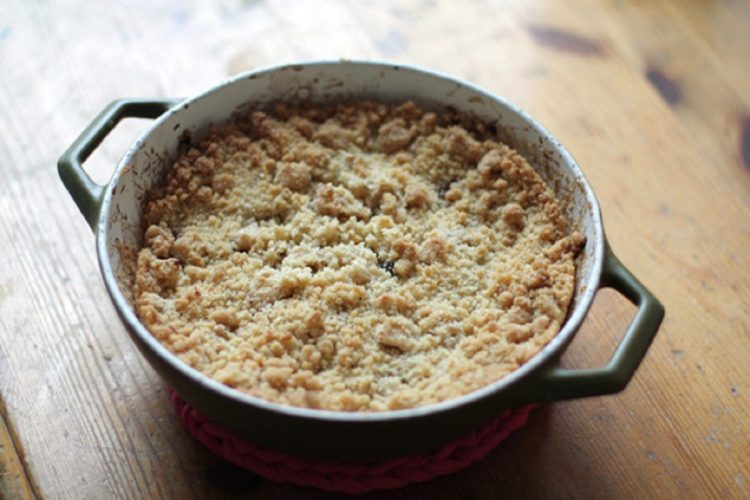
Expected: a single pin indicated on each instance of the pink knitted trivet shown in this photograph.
(350, 477)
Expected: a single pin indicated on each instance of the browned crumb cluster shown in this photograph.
(354, 257)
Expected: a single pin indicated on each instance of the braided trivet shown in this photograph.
(350, 477)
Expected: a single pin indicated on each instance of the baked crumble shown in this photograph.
(356, 257)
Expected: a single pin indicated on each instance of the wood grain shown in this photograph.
(653, 99)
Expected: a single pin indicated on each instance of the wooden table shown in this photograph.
(652, 97)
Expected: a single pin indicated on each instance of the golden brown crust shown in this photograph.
(355, 257)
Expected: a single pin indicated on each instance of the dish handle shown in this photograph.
(553, 383)
(85, 192)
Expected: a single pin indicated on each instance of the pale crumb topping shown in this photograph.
(358, 257)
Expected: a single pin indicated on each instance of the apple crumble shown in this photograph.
(354, 257)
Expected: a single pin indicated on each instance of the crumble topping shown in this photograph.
(356, 257)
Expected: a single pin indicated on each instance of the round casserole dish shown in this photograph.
(114, 213)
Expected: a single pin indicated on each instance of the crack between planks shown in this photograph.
(29, 485)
